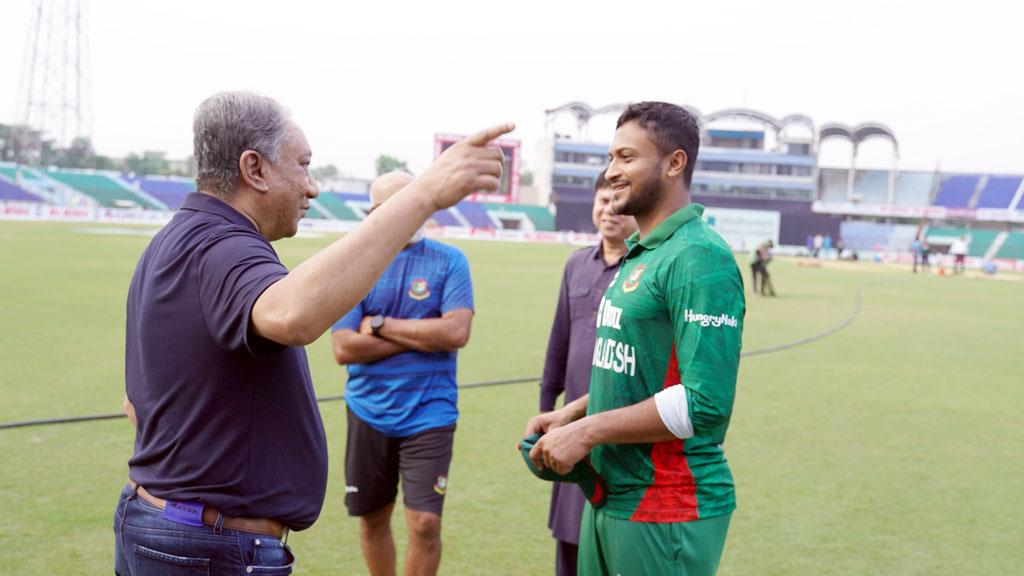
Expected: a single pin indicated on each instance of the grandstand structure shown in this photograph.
(751, 161)
(753, 170)
(20, 184)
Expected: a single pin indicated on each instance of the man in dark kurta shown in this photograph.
(570, 349)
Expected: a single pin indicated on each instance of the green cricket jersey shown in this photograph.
(673, 314)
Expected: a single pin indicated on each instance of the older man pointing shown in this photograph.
(230, 451)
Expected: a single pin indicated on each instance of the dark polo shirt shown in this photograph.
(225, 417)
(567, 365)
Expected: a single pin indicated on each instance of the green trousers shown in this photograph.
(615, 547)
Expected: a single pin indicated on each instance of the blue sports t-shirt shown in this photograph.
(413, 391)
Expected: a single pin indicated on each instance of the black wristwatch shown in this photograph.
(376, 323)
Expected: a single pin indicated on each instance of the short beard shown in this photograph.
(645, 198)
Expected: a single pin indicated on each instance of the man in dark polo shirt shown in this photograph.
(230, 450)
(570, 347)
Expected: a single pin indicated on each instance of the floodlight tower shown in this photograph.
(55, 82)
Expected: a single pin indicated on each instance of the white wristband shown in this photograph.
(674, 411)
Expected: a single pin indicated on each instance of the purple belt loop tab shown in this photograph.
(187, 513)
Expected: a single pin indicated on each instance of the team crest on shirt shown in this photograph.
(633, 281)
(418, 289)
(441, 484)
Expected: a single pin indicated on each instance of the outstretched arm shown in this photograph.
(300, 307)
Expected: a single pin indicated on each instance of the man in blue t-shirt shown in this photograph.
(399, 344)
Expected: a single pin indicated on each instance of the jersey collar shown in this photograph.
(202, 202)
(666, 229)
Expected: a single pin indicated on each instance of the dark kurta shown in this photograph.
(567, 365)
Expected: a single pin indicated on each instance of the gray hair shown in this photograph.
(227, 124)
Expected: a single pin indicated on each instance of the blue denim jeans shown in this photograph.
(148, 545)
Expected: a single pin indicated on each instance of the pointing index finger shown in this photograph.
(483, 137)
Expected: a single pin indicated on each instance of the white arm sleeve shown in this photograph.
(674, 411)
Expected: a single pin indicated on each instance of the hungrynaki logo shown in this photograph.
(708, 320)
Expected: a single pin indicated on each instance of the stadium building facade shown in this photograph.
(751, 162)
(758, 176)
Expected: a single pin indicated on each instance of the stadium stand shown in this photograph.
(832, 184)
(998, 192)
(871, 186)
(1013, 247)
(540, 217)
(32, 181)
(317, 212)
(913, 188)
(902, 236)
(475, 214)
(955, 191)
(335, 204)
(103, 188)
(11, 191)
(445, 218)
(980, 239)
(351, 206)
(170, 191)
(862, 235)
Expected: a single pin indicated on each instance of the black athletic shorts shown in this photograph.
(374, 462)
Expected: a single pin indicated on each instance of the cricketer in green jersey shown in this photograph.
(663, 379)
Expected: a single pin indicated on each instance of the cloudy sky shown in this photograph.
(383, 77)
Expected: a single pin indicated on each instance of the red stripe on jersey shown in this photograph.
(672, 495)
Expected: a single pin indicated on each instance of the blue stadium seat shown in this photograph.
(475, 214)
(956, 191)
(445, 218)
(11, 191)
(170, 191)
(998, 192)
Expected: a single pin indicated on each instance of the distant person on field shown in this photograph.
(764, 257)
(926, 252)
(819, 243)
(756, 266)
(663, 374)
(230, 452)
(400, 343)
(959, 250)
(571, 348)
(915, 251)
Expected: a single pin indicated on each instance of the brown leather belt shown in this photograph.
(264, 526)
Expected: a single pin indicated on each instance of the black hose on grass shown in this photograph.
(117, 415)
(827, 332)
(756, 352)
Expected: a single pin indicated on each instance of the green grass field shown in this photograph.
(893, 447)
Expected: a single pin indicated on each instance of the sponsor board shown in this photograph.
(744, 230)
